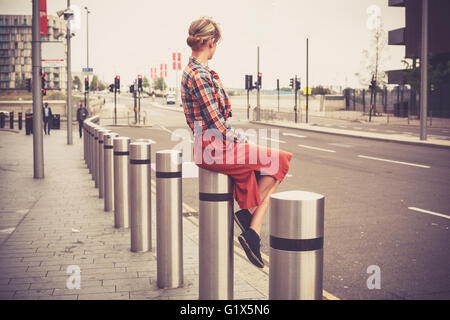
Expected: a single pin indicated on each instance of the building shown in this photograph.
(15, 52)
(439, 54)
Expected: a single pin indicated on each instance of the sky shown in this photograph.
(128, 38)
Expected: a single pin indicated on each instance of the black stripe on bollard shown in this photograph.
(96, 138)
(215, 196)
(147, 161)
(168, 174)
(100, 141)
(108, 147)
(296, 244)
(121, 153)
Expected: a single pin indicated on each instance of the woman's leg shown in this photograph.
(268, 185)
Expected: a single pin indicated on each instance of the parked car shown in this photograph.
(170, 98)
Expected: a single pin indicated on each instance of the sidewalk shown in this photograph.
(358, 134)
(47, 225)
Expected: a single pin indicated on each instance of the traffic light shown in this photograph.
(248, 82)
(44, 92)
(291, 83)
(111, 88)
(259, 79)
(140, 82)
(132, 88)
(297, 85)
(29, 85)
(117, 83)
(86, 84)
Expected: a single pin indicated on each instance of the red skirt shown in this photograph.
(244, 163)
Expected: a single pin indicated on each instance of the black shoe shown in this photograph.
(243, 218)
(250, 241)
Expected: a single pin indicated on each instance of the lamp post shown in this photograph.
(87, 51)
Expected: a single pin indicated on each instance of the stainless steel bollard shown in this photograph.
(215, 236)
(89, 148)
(169, 214)
(101, 160)
(108, 170)
(121, 186)
(140, 197)
(296, 245)
(96, 155)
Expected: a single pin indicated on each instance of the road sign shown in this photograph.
(88, 70)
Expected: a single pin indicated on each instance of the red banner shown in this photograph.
(165, 70)
(43, 17)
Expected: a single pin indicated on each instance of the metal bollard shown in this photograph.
(296, 245)
(101, 160)
(95, 158)
(19, 121)
(140, 197)
(108, 170)
(169, 214)
(121, 186)
(215, 236)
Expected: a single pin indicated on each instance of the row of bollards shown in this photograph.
(11, 119)
(121, 169)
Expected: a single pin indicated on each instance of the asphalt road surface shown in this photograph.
(386, 204)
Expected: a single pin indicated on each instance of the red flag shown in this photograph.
(179, 61)
(151, 73)
(43, 17)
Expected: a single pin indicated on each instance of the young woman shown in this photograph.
(207, 107)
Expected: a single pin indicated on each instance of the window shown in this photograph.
(15, 21)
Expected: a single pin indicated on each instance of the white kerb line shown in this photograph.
(429, 212)
(394, 161)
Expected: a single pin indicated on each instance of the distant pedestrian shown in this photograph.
(82, 114)
(48, 117)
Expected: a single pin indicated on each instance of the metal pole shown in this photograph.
(169, 213)
(87, 53)
(38, 143)
(108, 170)
(101, 161)
(424, 72)
(215, 236)
(258, 99)
(140, 197)
(69, 83)
(307, 78)
(296, 245)
(295, 95)
(121, 187)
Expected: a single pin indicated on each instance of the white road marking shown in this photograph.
(373, 130)
(429, 212)
(357, 128)
(390, 131)
(345, 127)
(315, 148)
(342, 145)
(398, 162)
(265, 138)
(293, 135)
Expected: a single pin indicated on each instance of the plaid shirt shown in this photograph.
(205, 100)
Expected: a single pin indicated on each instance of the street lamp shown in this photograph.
(87, 50)
(68, 15)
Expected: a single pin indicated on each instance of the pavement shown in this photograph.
(50, 225)
(53, 229)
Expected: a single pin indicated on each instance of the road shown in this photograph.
(386, 205)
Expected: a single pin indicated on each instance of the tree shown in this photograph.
(77, 82)
(159, 84)
(94, 83)
(145, 82)
(372, 61)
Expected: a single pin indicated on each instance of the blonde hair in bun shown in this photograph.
(202, 30)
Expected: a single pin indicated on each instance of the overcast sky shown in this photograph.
(129, 37)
